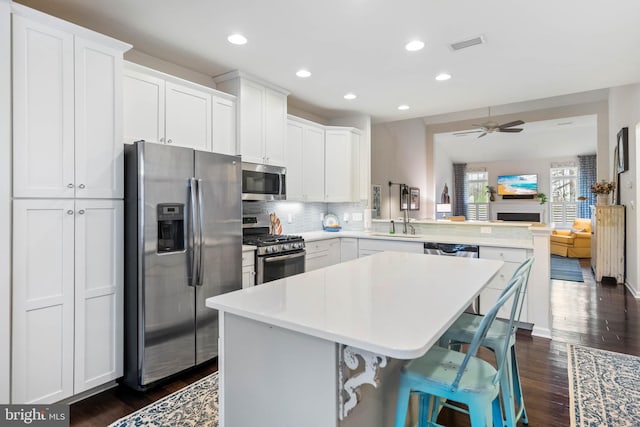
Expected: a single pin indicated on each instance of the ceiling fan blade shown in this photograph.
(480, 136)
(511, 124)
(510, 130)
(466, 132)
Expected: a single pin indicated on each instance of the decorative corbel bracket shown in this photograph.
(349, 386)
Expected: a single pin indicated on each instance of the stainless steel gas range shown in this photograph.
(277, 256)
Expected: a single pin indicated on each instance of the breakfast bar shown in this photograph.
(324, 348)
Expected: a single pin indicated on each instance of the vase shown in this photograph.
(602, 199)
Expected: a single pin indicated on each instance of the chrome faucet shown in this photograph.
(405, 221)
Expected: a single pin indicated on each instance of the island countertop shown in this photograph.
(393, 304)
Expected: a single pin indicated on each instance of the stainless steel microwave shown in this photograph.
(263, 182)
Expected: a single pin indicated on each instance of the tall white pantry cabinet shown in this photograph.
(67, 331)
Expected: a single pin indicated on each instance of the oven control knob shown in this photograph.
(269, 249)
(296, 246)
(286, 247)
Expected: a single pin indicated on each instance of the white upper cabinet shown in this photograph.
(262, 123)
(342, 160)
(224, 126)
(187, 117)
(143, 107)
(305, 153)
(165, 109)
(67, 131)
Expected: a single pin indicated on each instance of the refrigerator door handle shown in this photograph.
(194, 234)
(201, 235)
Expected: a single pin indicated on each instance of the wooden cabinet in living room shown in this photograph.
(67, 297)
(262, 121)
(342, 160)
(608, 242)
(305, 160)
(67, 109)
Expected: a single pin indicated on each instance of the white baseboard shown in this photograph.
(541, 332)
(81, 396)
(633, 292)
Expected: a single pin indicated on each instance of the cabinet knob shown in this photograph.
(70, 185)
(253, 273)
(169, 141)
(162, 139)
(81, 211)
(81, 186)
(70, 212)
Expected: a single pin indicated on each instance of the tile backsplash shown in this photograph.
(298, 217)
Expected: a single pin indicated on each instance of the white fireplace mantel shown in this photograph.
(518, 206)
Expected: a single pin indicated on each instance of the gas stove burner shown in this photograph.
(270, 239)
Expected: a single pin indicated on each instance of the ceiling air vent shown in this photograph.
(467, 43)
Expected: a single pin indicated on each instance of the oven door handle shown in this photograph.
(284, 257)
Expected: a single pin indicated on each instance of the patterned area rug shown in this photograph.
(563, 268)
(195, 405)
(604, 388)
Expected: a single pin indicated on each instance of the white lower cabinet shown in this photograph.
(322, 253)
(348, 249)
(67, 297)
(512, 258)
(372, 246)
(248, 269)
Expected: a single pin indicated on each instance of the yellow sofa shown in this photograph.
(574, 243)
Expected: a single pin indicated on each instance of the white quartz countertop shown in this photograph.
(248, 248)
(394, 304)
(470, 240)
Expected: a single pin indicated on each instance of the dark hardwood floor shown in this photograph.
(592, 314)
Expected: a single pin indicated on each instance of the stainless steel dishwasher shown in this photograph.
(456, 249)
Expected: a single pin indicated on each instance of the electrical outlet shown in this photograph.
(485, 230)
(356, 216)
(346, 217)
(321, 217)
(289, 218)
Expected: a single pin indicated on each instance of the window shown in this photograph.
(563, 200)
(476, 193)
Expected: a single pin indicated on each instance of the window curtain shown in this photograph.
(459, 189)
(587, 175)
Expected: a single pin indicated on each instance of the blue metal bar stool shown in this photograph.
(463, 331)
(461, 377)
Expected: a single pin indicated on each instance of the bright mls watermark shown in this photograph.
(34, 415)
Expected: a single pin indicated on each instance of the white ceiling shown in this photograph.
(567, 137)
(534, 49)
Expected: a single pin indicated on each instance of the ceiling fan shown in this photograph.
(490, 126)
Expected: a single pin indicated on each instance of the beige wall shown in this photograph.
(398, 153)
(624, 110)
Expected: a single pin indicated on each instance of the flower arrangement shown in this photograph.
(542, 197)
(603, 187)
(491, 191)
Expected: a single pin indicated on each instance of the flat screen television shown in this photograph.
(517, 185)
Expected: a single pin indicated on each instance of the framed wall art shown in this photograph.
(623, 150)
(414, 199)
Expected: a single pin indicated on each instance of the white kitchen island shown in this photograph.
(296, 351)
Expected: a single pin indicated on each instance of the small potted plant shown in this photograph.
(602, 190)
(491, 191)
(542, 197)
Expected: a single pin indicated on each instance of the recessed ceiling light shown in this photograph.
(403, 107)
(350, 96)
(442, 77)
(303, 74)
(414, 45)
(238, 39)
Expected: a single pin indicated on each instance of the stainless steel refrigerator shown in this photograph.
(183, 244)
